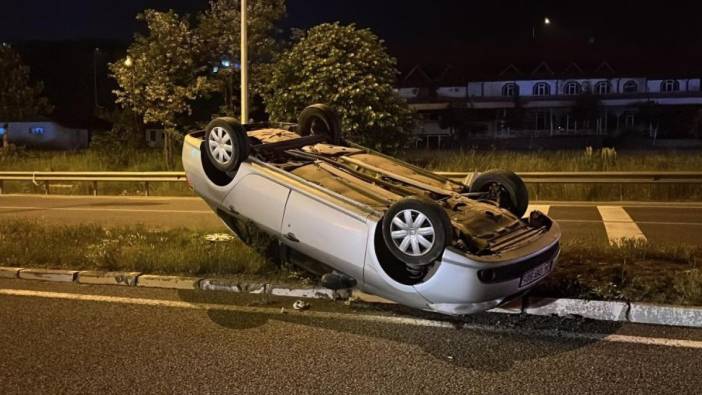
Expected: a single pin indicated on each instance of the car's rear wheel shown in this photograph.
(416, 231)
(320, 119)
(505, 188)
(227, 144)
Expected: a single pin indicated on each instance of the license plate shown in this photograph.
(535, 274)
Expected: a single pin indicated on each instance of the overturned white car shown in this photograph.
(363, 219)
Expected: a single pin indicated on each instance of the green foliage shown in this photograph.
(632, 271)
(221, 37)
(19, 98)
(178, 251)
(350, 69)
(159, 78)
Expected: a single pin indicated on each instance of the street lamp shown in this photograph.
(244, 63)
(546, 22)
(128, 62)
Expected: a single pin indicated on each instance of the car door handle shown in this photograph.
(291, 236)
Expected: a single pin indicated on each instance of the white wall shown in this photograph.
(47, 135)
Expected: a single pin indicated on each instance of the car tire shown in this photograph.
(320, 119)
(226, 144)
(505, 188)
(416, 241)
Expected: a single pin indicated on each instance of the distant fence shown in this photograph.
(48, 178)
(537, 178)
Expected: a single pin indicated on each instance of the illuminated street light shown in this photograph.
(547, 21)
(128, 62)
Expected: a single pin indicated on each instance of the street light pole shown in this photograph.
(244, 63)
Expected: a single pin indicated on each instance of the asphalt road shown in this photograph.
(657, 222)
(165, 341)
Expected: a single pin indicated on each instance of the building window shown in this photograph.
(510, 90)
(572, 88)
(36, 131)
(630, 87)
(542, 89)
(602, 88)
(670, 86)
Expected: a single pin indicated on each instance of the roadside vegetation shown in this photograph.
(587, 268)
(90, 247)
(632, 271)
(574, 160)
(132, 159)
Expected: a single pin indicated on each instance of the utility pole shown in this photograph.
(244, 63)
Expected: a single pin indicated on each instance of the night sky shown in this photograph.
(652, 24)
(478, 38)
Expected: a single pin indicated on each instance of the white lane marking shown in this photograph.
(599, 221)
(99, 197)
(544, 208)
(649, 341)
(619, 225)
(126, 210)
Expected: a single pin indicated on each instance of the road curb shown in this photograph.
(644, 313)
(168, 282)
(58, 276)
(640, 313)
(108, 278)
(593, 309)
(9, 272)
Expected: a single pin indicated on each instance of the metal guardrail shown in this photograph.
(537, 178)
(48, 178)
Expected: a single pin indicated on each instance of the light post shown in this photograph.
(244, 63)
(95, 78)
(546, 22)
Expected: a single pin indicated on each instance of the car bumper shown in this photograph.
(457, 287)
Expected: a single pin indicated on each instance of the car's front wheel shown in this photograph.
(227, 144)
(505, 188)
(416, 231)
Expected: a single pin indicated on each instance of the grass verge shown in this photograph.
(632, 271)
(90, 247)
(587, 269)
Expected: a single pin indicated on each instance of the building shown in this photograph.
(546, 103)
(44, 134)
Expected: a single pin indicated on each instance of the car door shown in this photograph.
(259, 199)
(329, 234)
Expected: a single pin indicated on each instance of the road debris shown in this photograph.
(301, 305)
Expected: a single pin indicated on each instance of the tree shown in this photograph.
(221, 37)
(161, 77)
(20, 99)
(350, 69)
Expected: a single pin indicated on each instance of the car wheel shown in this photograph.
(320, 119)
(416, 231)
(505, 188)
(227, 144)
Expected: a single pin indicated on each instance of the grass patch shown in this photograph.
(90, 247)
(633, 271)
(587, 269)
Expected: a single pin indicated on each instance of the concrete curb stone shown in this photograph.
(309, 293)
(108, 278)
(593, 309)
(9, 272)
(60, 276)
(644, 313)
(169, 282)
